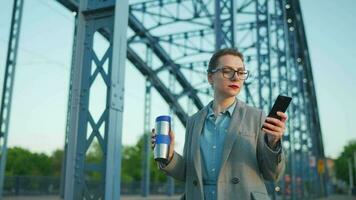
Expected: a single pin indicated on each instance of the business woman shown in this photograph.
(230, 147)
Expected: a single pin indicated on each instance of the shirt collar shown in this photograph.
(229, 109)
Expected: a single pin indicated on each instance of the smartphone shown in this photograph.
(281, 104)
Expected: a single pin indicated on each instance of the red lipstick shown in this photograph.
(234, 86)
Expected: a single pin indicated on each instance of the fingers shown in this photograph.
(273, 136)
(276, 134)
(275, 122)
(171, 135)
(171, 145)
(273, 127)
(283, 116)
(153, 139)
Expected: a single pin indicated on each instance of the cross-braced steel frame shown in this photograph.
(179, 36)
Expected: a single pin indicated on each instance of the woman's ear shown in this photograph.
(210, 79)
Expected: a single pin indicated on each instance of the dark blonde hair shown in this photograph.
(213, 63)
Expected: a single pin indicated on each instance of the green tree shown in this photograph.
(95, 157)
(22, 162)
(131, 162)
(131, 165)
(341, 163)
(57, 159)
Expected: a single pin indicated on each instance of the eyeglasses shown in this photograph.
(229, 73)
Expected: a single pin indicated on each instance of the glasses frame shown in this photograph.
(235, 72)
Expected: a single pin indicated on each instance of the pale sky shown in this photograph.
(42, 75)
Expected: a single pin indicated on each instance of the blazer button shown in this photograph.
(235, 180)
(195, 182)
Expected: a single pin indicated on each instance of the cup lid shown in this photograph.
(163, 118)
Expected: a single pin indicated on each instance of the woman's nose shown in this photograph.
(234, 77)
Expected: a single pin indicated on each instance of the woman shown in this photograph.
(230, 148)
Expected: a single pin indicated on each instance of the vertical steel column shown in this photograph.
(303, 55)
(303, 128)
(281, 46)
(64, 160)
(146, 141)
(281, 53)
(224, 23)
(116, 101)
(296, 108)
(355, 161)
(264, 62)
(147, 126)
(110, 19)
(310, 152)
(293, 70)
(263, 55)
(309, 84)
(351, 176)
(8, 85)
(299, 105)
(296, 82)
(170, 180)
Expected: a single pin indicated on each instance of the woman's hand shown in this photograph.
(171, 145)
(275, 128)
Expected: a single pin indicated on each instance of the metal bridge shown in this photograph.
(175, 39)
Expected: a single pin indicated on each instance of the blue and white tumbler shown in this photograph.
(163, 127)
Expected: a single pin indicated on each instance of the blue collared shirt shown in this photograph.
(211, 147)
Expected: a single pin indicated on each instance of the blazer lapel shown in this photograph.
(197, 129)
(234, 127)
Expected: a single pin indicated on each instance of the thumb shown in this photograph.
(171, 135)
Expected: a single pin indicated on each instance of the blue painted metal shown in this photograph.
(275, 49)
(147, 137)
(157, 83)
(279, 68)
(116, 101)
(224, 23)
(94, 17)
(8, 85)
(171, 119)
(295, 111)
(263, 50)
(263, 54)
(68, 120)
(147, 132)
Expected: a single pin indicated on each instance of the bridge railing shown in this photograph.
(45, 185)
(31, 185)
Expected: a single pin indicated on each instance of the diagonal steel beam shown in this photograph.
(157, 83)
(165, 58)
(8, 85)
(137, 27)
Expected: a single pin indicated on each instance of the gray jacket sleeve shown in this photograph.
(271, 161)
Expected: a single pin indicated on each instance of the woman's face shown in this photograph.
(223, 86)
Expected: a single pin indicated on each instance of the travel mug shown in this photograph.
(163, 127)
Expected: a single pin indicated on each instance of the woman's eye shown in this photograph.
(227, 70)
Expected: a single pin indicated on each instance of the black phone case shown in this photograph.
(281, 104)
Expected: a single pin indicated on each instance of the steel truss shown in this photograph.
(180, 35)
(8, 85)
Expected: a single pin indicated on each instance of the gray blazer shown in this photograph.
(246, 161)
